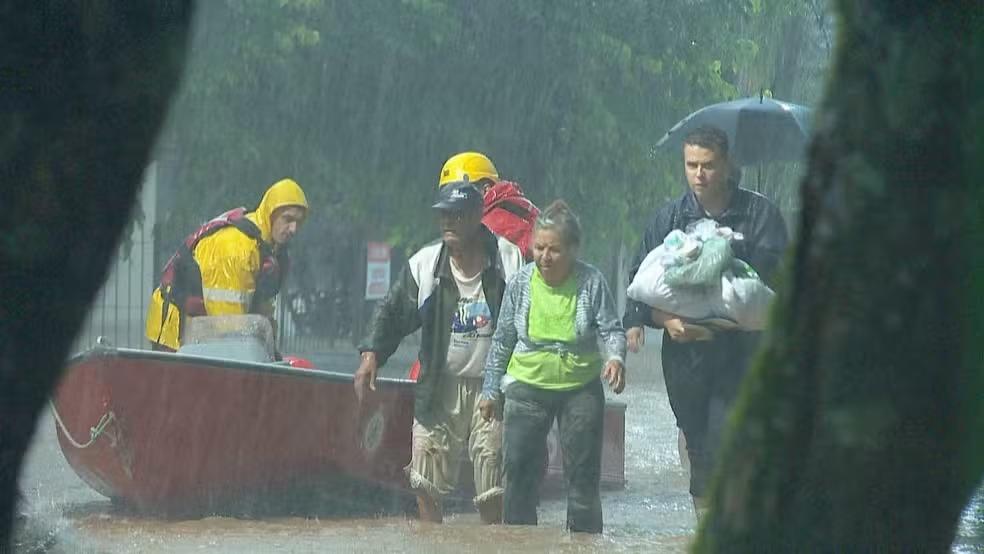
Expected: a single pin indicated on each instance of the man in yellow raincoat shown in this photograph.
(233, 264)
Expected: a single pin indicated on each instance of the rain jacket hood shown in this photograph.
(285, 192)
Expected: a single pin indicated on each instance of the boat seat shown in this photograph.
(247, 338)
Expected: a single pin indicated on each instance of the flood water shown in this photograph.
(652, 514)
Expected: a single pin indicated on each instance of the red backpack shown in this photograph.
(509, 214)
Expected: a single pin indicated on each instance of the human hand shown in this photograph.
(365, 376)
(486, 407)
(636, 337)
(614, 374)
(686, 332)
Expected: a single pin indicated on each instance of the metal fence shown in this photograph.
(118, 311)
(328, 314)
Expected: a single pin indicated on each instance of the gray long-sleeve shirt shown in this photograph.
(597, 327)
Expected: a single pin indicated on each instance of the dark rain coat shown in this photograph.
(425, 296)
(702, 377)
(750, 213)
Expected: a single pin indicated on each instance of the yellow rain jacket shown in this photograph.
(230, 263)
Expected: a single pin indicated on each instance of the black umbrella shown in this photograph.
(759, 129)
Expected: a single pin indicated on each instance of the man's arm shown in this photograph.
(503, 340)
(770, 240)
(638, 314)
(394, 318)
(606, 318)
(679, 330)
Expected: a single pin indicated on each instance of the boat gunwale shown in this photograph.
(280, 369)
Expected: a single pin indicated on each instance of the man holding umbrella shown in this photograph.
(702, 366)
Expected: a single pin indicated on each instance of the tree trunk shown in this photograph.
(83, 89)
(859, 428)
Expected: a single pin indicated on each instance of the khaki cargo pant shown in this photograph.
(460, 431)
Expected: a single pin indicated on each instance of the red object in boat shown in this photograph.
(177, 433)
(296, 361)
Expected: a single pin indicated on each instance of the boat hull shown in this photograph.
(178, 434)
(189, 433)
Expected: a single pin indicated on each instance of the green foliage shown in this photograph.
(362, 102)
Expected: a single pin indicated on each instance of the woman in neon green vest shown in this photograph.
(547, 359)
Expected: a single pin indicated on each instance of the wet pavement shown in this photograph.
(652, 514)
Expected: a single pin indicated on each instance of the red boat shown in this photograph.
(177, 433)
(166, 432)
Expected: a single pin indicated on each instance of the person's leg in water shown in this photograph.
(529, 413)
(20, 515)
(428, 470)
(701, 464)
(725, 380)
(682, 450)
(429, 509)
(688, 386)
(485, 453)
(437, 449)
(580, 420)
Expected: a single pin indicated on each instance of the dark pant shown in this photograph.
(529, 414)
(702, 381)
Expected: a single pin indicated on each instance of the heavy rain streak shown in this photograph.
(527, 276)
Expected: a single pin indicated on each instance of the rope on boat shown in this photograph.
(94, 432)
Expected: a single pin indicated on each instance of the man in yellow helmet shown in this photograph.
(507, 212)
(233, 264)
(451, 290)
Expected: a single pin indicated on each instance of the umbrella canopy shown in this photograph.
(759, 129)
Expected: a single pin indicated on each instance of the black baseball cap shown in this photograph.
(460, 196)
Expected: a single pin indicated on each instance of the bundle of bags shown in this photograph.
(696, 276)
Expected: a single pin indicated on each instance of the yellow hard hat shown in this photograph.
(476, 166)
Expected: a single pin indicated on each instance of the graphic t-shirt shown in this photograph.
(471, 327)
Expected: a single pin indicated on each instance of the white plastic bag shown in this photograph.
(739, 295)
(745, 298)
(650, 288)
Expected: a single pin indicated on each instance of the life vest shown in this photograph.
(181, 279)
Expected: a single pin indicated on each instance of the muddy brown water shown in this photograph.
(652, 514)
